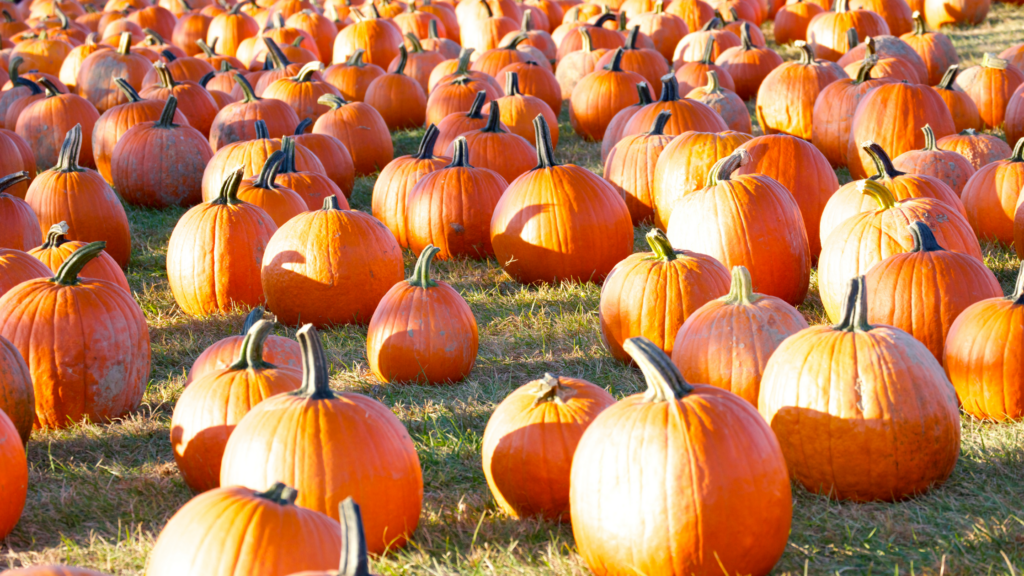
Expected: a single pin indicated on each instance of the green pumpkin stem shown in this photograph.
(1018, 152)
(127, 90)
(12, 179)
(929, 139)
(250, 357)
(545, 149)
(919, 27)
(403, 59)
(275, 54)
(254, 316)
(354, 559)
(806, 52)
(664, 382)
(643, 91)
(606, 17)
(331, 203)
(306, 72)
(248, 94)
(124, 44)
(265, 179)
(949, 77)
(288, 166)
(515, 41)
(414, 42)
(262, 132)
(723, 169)
(301, 128)
(658, 128)
(660, 245)
(279, 493)
(426, 149)
(924, 239)
(714, 24)
(463, 68)
(713, 86)
(586, 40)
(356, 59)
(316, 382)
(852, 39)
(709, 50)
(883, 164)
(207, 77)
(67, 160)
(477, 106)
(50, 88)
(67, 274)
(493, 119)
(880, 194)
(864, 70)
(855, 308)
(228, 195)
(616, 64)
(632, 38)
(512, 84)
(167, 114)
(432, 30)
(669, 88)
(421, 272)
(207, 50)
(332, 101)
(748, 43)
(741, 291)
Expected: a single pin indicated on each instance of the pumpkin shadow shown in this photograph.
(313, 292)
(204, 454)
(543, 491)
(413, 370)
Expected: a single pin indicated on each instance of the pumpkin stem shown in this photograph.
(855, 308)
(621, 20)
(841, 6)
(207, 51)
(426, 149)
(460, 154)
(228, 195)
(806, 52)
(265, 179)
(167, 114)
(254, 316)
(713, 86)
(512, 84)
(67, 160)
(664, 382)
(403, 59)
(881, 195)
(127, 90)
(207, 77)
(548, 390)
(421, 273)
(659, 7)
(669, 88)
(306, 72)
(632, 37)
(12, 179)
(924, 239)
(919, 27)
(515, 41)
(929, 139)
(301, 128)
(644, 92)
(660, 245)
(51, 88)
(414, 42)
(332, 101)
(164, 76)
(748, 43)
(287, 156)
(67, 274)
(33, 88)
(250, 357)
(262, 132)
(616, 63)
(741, 291)
(124, 44)
(354, 559)
(864, 70)
(606, 17)
(586, 40)
(852, 39)
(279, 493)
(658, 128)
(477, 105)
(545, 149)
(993, 61)
(527, 24)
(709, 49)
(949, 77)
(883, 165)
(316, 382)
(356, 59)
(278, 58)
(248, 94)
(432, 30)
(493, 119)
(714, 24)
(487, 8)
(463, 68)
(1018, 289)
(1018, 152)
(723, 169)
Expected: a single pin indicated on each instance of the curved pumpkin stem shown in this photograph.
(354, 559)
(332, 101)
(713, 86)
(919, 27)
(883, 165)
(929, 139)
(924, 239)
(254, 316)
(207, 50)
(493, 119)
(616, 63)
(50, 88)
(880, 194)
(421, 272)
(306, 72)
(855, 308)
(248, 94)
(660, 245)
(426, 149)
(209, 76)
(67, 160)
(463, 68)
(315, 379)
(632, 38)
(477, 106)
(606, 17)
(265, 179)
(279, 493)
(67, 274)
(228, 195)
(669, 88)
(841, 6)
(460, 153)
(747, 42)
(514, 42)
(403, 59)
(949, 77)
(741, 291)
(714, 24)
(301, 128)
(277, 57)
(414, 42)
(586, 40)
(643, 90)
(356, 59)
(512, 84)
(722, 170)
(664, 381)
(658, 128)
(12, 179)
(167, 114)
(864, 70)
(487, 9)
(127, 90)
(262, 132)
(806, 52)
(250, 357)
(709, 50)
(545, 149)
(1018, 152)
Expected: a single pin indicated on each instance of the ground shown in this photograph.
(99, 494)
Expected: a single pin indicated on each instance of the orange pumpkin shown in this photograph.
(535, 80)
(21, 229)
(1014, 127)
(613, 133)
(834, 108)
(991, 85)
(827, 31)
(979, 149)
(726, 103)
(332, 154)
(508, 154)
(639, 58)
(665, 30)
(940, 13)
(599, 37)
(361, 129)
(230, 29)
(17, 267)
(991, 196)
(236, 122)
(278, 350)
(791, 20)
(14, 481)
(576, 65)
(950, 167)
(518, 111)
(400, 99)
(630, 168)
(279, 202)
(785, 100)
(443, 45)
(456, 93)
(693, 74)
(353, 76)
(420, 62)
(194, 101)
(748, 64)
(893, 68)
(599, 95)
(935, 49)
(56, 249)
(391, 188)
(687, 115)
(691, 47)
(44, 123)
(95, 80)
(73, 62)
(17, 397)
(458, 123)
(961, 106)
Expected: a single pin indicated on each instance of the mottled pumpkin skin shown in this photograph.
(213, 535)
(785, 99)
(679, 488)
(99, 374)
(950, 167)
(979, 149)
(14, 480)
(529, 443)
(160, 166)
(44, 123)
(113, 124)
(17, 397)
(95, 78)
(630, 168)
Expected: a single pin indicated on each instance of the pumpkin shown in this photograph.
(458, 123)
(42, 52)
(961, 106)
(833, 111)
(827, 31)
(391, 188)
(923, 291)
(868, 237)
(990, 85)
(530, 440)
(95, 80)
(282, 67)
(590, 220)
(457, 93)
(950, 167)
(34, 94)
(979, 149)
(613, 133)
(361, 129)
(671, 285)
(935, 49)
(16, 89)
(17, 267)
(16, 157)
(73, 61)
(645, 61)
(1014, 126)
(518, 111)
(302, 91)
(691, 48)
(785, 100)
(420, 62)
(353, 76)
(726, 103)
(73, 377)
(747, 64)
(1014, 54)
(311, 187)
(215, 251)
(665, 30)
(451, 208)
(443, 45)
(749, 220)
(44, 123)
(486, 33)
(57, 248)
(493, 60)
(194, 101)
(893, 115)
(279, 202)
(181, 67)
(379, 39)
(17, 397)
(939, 13)
(332, 154)
(230, 29)
(695, 13)
(535, 80)
(599, 95)
(77, 195)
(890, 67)
(599, 37)
(791, 20)
(727, 341)
(219, 526)
(14, 481)
(896, 13)
(449, 70)
(207, 412)
(336, 430)
(189, 30)
(415, 22)
(687, 114)
(991, 196)
(400, 99)
(630, 168)
(235, 122)
(683, 167)
(691, 439)
(693, 74)
(873, 386)
(355, 560)
(277, 350)
(21, 229)
(505, 152)
(578, 64)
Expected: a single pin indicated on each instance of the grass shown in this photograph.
(99, 494)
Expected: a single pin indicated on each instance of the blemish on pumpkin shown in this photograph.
(858, 388)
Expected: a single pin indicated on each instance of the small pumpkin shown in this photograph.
(518, 111)
(391, 188)
(378, 38)
(332, 154)
(57, 248)
(399, 98)
(728, 104)
(949, 167)
(935, 49)
(1014, 126)
(939, 13)
(535, 80)
(630, 168)
(640, 59)
(885, 66)
(197, 105)
(277, 350)
(505, 152)
(687, 115)
(691, 48)
(353, 76)
(44, 123)
(599, 95)
(236, 121)
(230, 28)
(420, 62)
(961, 106)
(785, 100)
(456, 92)
(14, 481)
(21, 229)
(279, 202)
(748, 64)
(361, 129)
(458, 123)
(693, 74)
(665, 30)
(979, 149)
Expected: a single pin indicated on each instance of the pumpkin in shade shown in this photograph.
(279, 202)
(459, 123)
(278, 350)
(691, 48)
(727, 342)
(827, 32)
(630, 168)
(991, 196)
(44, 123)
(505, 152)
(194, 101)
(578, 64)
(207, 412)
(923, 291)
(652, 294)
(939, 13)
(215, 251)
(95, 81)
(451, 208)
(100, 374)
(236, 121)
(361, 129)
(613, 133)
(833, 111)
(1014, 126)
(950, 167)
(870, 388)
(160, 163)
(57, 248)
(645, 61)
(332, 154)
(893, 115)
(391, 188)
(336, 430)
(443, 45)
(559, 222)
(868, 237)
(17, 267)
(17, 397)
(785, 100)
(979, 149)
(353, 76)
(518, 111)
(599, 95)
(14, 480)
(20, 229)
(79, 196)
(219, 526)
(748, 64)
(456, 93)
(33, 93)
(681, 511)
(749, 220)
(726, 103)
(791, 20)
(530, 440)
(991, 85)
(982, 356)
(935, 49)
(423, 331)
(535, 80)
(400, 99)
(693, 74)
(961, 106)
(687, 115)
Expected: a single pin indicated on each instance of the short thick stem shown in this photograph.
(723, 169)
(660, 245)
(460, 154)
(421, 273)
(741, 292)
(250, 357)
(664, 381)
(855, 308)
(880, 194)
(924, 239)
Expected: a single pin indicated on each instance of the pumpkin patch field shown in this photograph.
(494, 287)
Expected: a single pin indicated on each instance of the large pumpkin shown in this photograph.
(833, 112)
(949, 167)
(862, 412)
(336, 431)
(99, 375)
(559, 222)
(680, 480)
(14, 480)
(785, 100)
